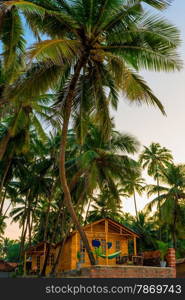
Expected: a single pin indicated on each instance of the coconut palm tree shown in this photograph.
(104, 163)
(100, 44)
(171, 199)
(106, 205)
(133, 183)
(155, 158)
(145, 226)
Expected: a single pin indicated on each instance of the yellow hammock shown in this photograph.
(110, 256)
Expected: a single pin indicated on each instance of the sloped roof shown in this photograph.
(127, 231)
(5, 267)
(38, 248)
(125, 228)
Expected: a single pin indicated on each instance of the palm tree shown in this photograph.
(145, 226)
(106, 205)
(97, 44)
(133, 183)
(171, 199)
(155, 158)
(104, 163)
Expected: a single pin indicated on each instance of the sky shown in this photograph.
(147, 124)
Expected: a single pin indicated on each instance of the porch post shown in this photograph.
(135, 246)
(106, 240)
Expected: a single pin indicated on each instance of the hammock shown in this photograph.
(110, 256)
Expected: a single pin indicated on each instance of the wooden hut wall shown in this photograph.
(39, 259)
(98, 232)
(65, 262)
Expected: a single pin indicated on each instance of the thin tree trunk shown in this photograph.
(174, 237)
(29, 223)
(75, 179)
(25, 222)
(5, 140)
(62, 169)
(2, 184)
(23, 238)
(87, 212)
(47, 213)
(135, 204)
(43, 272)
(61, 246)
(2, 202)
(4, 215)
(3, 144)
(159, 207)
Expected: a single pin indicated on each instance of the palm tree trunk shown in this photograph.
(29, 223)
(159, 207)
(5, 140)
(23, 238)
(2, 184)
(54, 269)
(174, 237)
(87, 212)
(4, 215)
(62, 244)
(3, 144)
(43, 272)
(62, 169)
(135, 204)
(2, 203)
(47, 213)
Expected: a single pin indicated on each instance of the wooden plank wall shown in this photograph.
(34, 262)
(97, 231)
(65, 262)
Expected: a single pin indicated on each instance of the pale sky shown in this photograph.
(147, 123)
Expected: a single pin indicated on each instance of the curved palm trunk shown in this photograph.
(62, 170)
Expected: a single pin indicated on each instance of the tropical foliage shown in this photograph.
(62, 162)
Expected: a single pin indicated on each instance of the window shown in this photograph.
(82, 252)
(38, 263)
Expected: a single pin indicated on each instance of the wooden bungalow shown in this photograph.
(34, 258)
(106, 231)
